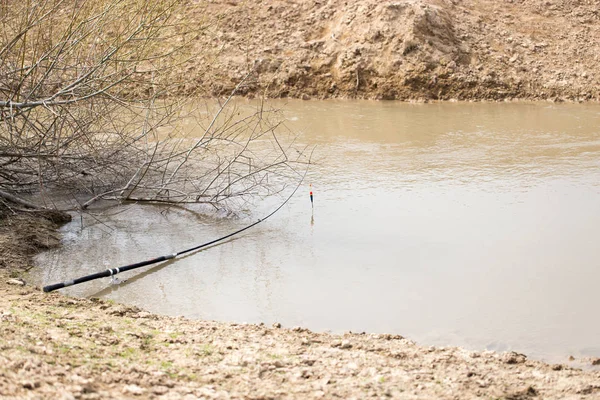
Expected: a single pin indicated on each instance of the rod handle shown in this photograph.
(51, 288)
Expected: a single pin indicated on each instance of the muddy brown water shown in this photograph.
(475, 225)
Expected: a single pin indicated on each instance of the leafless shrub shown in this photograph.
(89, 104)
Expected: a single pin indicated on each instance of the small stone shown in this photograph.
(304, 374)
(16, 282)
(30, 384)
(66, 396)
(160, 390)
(134, 390)
(345, 345)
(276, 325)
(531, 391)
(596, 361)
(514, 358)
(571, 358)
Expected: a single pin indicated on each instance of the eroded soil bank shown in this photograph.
(405, 50)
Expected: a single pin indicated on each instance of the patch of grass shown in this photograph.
(206, 350)
(192, 377)
(22, 349)
(63, 348)
(128, 352)
(145, 345)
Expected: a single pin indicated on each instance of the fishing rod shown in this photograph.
(114, 271)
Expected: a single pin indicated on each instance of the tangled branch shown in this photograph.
(88, 104)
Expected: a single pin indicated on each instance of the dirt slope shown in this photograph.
(406, 49)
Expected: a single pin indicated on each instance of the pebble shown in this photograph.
(67, 396)
(160, 390)
(345, 344)
(30, 385)
(134, 390)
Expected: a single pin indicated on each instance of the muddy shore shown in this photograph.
(59, 347)
(53, 346)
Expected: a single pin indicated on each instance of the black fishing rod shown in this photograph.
(114, 271)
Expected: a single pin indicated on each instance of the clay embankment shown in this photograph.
(408, 49)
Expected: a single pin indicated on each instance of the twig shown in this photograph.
(19, 201)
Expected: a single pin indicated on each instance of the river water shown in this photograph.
(453, 224)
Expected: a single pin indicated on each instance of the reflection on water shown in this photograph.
(453, 224)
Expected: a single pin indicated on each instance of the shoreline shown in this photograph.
(54, 345)
(523, 100)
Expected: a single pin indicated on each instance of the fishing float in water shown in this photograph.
(312, 204)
